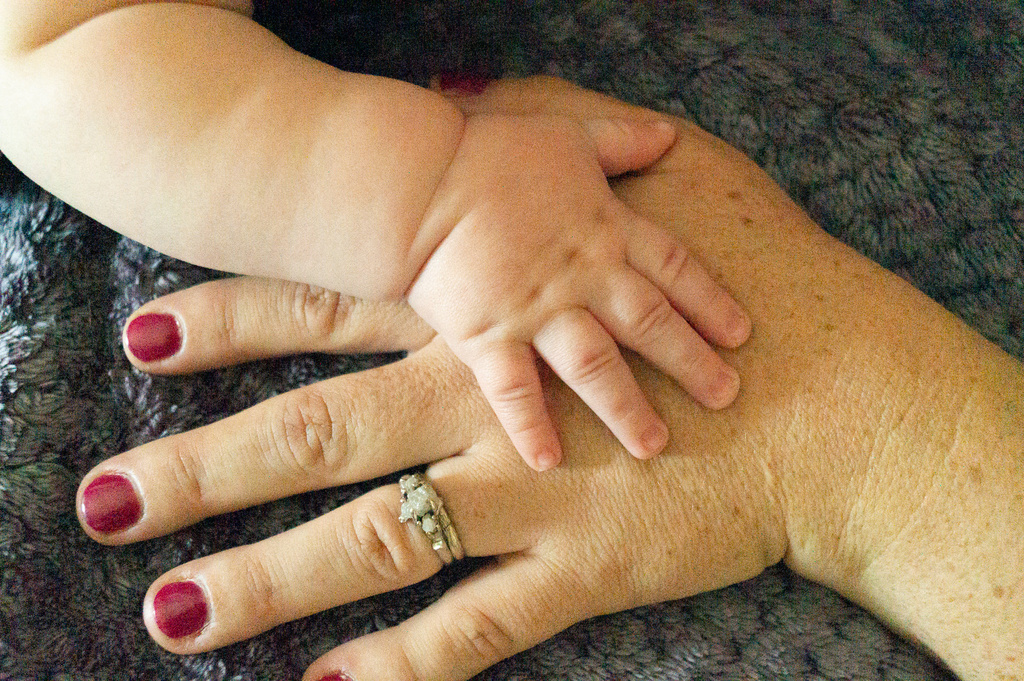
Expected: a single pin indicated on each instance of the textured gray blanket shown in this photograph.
(897, 125)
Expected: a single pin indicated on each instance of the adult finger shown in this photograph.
(492, 615)
(580, 351)
(355, 551)
(346, 429)
(667, 263)
(236, 320)
(510, 383)
(639, 316)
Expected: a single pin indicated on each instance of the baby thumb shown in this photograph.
(623, 145)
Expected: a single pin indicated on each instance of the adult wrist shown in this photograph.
(928, 538)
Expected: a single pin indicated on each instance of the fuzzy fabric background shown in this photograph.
(897, 125)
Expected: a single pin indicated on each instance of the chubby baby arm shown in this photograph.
(190, 128)
(195, 131)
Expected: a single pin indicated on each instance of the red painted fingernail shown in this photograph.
(337, 677)
(153, 336)
(463, 83)
(180, 609)
(110, 504)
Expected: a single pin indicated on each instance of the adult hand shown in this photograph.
(588, 538)
(883, 461)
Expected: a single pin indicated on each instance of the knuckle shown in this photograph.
(474, 634)
(190, 476)
(515, 391)
(649, 320)
(229, 324)
(674, 261)
(307, 437)
(320, 313)
(591, 364)
(697, 359)
(627, 406)
(261, 584)
(378, 547)
(409, 665)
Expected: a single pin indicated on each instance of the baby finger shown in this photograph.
(640, 317)
(583, 355)
(509, 381)
(670, 266)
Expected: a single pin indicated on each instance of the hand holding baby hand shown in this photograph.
(539, 254)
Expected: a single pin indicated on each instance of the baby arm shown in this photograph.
(193, 130)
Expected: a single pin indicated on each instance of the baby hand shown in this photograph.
(540, 254)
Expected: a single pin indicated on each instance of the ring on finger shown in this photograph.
(421, 504)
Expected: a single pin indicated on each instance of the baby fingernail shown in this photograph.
(741, 327)
(655, 439)
(110, 504)
(664, 126)
(180, 609)
(725, 388)
(546, 460)
(153, 337)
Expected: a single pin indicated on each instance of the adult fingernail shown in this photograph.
(337, 677)
(110, 504)
(180, 609)
(153, 337)
(463, 83)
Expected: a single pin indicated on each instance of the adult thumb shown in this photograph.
(623, 145)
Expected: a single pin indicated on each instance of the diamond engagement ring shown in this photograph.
(421, 504)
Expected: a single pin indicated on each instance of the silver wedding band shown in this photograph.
(421, 504)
